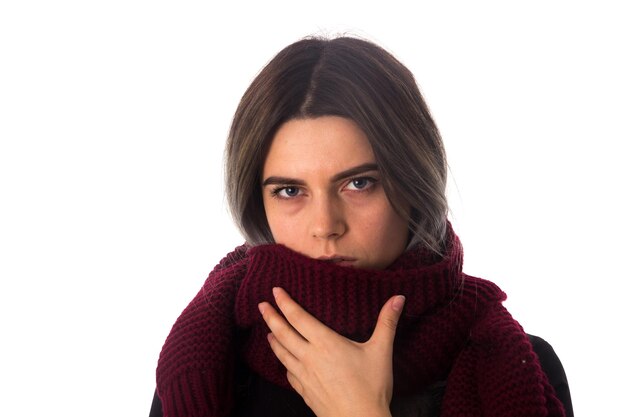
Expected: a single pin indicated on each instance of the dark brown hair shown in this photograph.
(358, 80)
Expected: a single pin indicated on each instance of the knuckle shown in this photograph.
(289, 309)
(276, 326)
(390, 323)
(269, 320)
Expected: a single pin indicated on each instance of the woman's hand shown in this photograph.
(335, 376)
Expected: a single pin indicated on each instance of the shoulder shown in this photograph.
(228, 273)
(236, 258)
(550, 362)
(553, 368)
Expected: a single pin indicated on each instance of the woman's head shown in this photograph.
(354, 80)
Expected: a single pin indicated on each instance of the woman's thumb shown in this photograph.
(388, 317)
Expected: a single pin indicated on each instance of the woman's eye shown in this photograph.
(287, 192)
(360, 183)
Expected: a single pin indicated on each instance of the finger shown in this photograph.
(308, 326)
(286, 335)
(387, 323)
(285, 357)
(295, 383)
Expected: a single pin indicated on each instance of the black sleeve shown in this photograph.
(156, 410)
(554, 371)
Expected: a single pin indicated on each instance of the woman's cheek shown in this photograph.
(284, 224)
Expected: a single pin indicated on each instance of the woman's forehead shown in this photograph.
(327, 144)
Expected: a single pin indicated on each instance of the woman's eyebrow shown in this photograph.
(369, 166)
(281, 181)
(351, 172)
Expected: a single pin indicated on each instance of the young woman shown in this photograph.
(348, 298)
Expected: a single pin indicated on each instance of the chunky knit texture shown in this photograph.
(453, 328)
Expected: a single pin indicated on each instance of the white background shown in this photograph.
(113, 117)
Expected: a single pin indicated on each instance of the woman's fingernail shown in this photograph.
(275, 291)
(262, 308)
(398, 302)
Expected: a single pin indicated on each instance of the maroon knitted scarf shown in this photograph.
(453, 328)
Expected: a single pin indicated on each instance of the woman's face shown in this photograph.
(323, 196)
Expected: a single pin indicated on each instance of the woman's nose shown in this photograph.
(327, 219)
